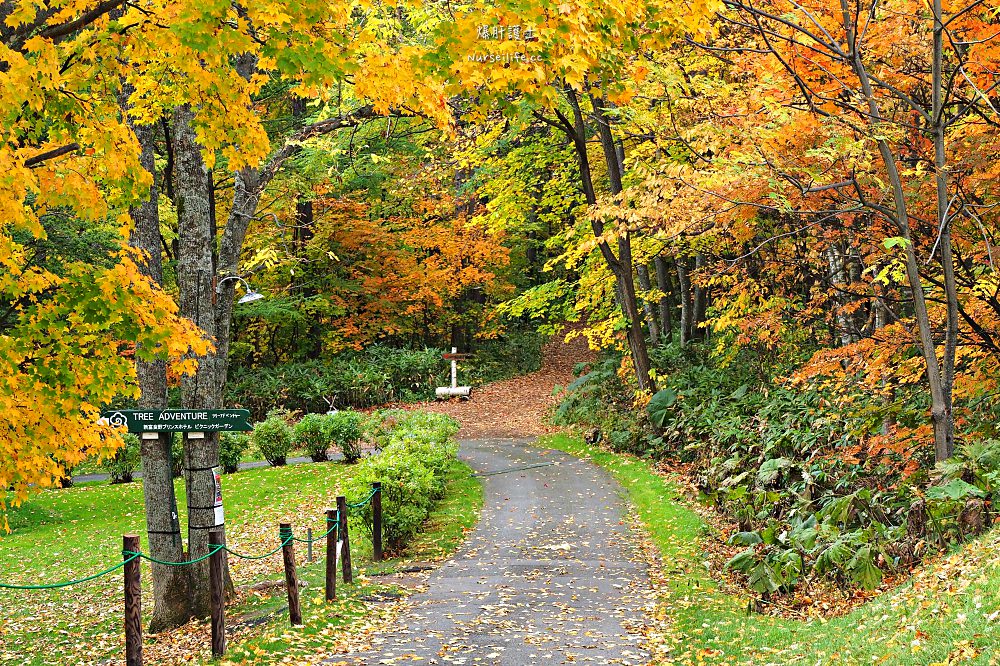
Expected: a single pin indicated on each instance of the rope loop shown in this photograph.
(128, 555)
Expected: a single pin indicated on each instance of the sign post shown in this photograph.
(179, 420)
(454, 390)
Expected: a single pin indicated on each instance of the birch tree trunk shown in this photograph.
(663, 283)
(838, 279)
(700, 303)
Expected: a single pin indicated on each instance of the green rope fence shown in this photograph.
(182, 563)
(129, 555)
(358, 505)
(336, 524)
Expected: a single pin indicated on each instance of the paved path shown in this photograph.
(549, 576)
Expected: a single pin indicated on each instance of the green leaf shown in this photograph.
(863, 569)
(956, 489)
(745, 539)
(659, 407)
(769, 471)
(743, 561)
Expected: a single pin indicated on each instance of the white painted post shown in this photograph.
(454, 369)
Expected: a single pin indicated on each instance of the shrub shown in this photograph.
(343, 430)
(435, 456)
(232, 445)
(121, 466)
(426, 426)
(408, 489)
(272, 439)
(312, 434)
(418, 452)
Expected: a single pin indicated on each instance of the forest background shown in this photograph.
(776, 220)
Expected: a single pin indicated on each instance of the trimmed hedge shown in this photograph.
(272, 439)
(412, 469)
(232, 445)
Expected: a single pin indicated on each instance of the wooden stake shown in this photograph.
(291, 580)
(309, 544)
(216, 567)
(345, 548)
(133, 603)
(331, 556)
(377, 521)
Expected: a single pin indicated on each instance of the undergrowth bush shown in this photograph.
(311, 433)
(375, 376)
(792, 467)
(408, 489)
(121, 467)
(343, 430)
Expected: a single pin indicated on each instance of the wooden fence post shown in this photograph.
(331, 555)
(133, 602)
(377, 520)
(217, 592)
(345, 548)
(309, 544)
(291, 580)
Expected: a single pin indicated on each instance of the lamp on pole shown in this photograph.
(249, 297)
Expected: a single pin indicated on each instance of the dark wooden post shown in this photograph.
(133, 602)
(309, 544)
(377, 521)
(291, 580)
(345, 548)
(217, 592)
(331, 555)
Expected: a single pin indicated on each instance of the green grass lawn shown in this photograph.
(949, 613)
(66, 534)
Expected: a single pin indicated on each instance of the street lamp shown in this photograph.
(249, 297)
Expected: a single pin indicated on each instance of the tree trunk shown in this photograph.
(163, 533)
(666, 307)
(684, 292)
(698, 331)
(941, 412)
(647, 306)
(196, 280)
(613, 158)
(944, 421)
(838, 280)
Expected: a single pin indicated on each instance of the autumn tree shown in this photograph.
(914, 87)
(70, 166)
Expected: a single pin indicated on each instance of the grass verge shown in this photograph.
(360, 607)
(66, 534)
(948, 613)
